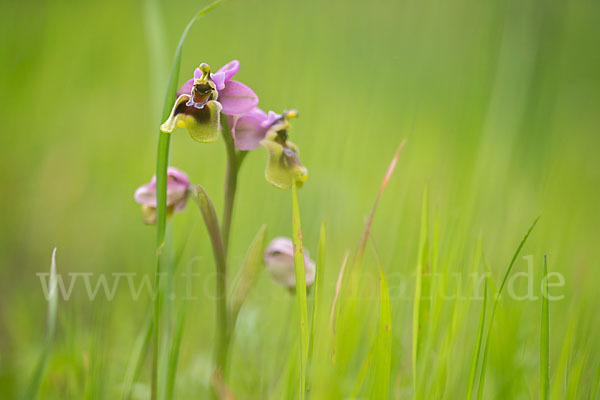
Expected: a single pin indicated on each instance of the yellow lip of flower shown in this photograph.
(303, 178)
(198, 111)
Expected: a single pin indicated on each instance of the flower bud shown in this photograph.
(178, 191)
(279, 260)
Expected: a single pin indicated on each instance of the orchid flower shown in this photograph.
(249, 129)
(201, 100)
(178, 191)
(279, 260)
(283, 166)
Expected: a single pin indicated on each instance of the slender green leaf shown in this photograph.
(561, 375)
(594, 390)
(300, 288)
(249, 272)
(477, 352)
(496, 300)
(212, 226)
(365, 235)
(383, 344)
(545, 338)
(51, 314)
(136, 360)
(418, 314)
(174, 353)
(318, 282)
(162, 162)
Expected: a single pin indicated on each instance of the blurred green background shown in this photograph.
(499, 101)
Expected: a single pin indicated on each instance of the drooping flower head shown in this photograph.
(249, 129)
(178, 191)
(204, 97)
(279, 260)
(283, 167)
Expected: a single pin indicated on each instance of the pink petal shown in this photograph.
(248, 130)
(237, 98)
(146, 194)
(230, 69)
(271, 118)
(186, 88)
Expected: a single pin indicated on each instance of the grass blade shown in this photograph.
(248, 274)
(140, 348)
(418, 314)
(383, 344)
(51, 314)
(162, 161)
(365, 235)
(545, 338)
(594, 389)
(338, 288)
(174, 354)
(477, 352)
(317, 284)
(300, 288)
(496, 300)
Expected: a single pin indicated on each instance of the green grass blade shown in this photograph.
(561, 374)
(162, 162)
(477, 352)
(250, 269)
(138, 354)
(417, 324)
(365, 235)
(379, 358)
(496, 300)
(382, 358)
(300, 288)
(545, 338)
(317, 284)
(51, 314)
(338, 289)
(594, 390)
(174, 354)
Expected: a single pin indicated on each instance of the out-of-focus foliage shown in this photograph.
(498, 101)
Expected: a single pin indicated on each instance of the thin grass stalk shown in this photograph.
(496, 300)
(162, 162)
(545, 338)
(417, 317)
(38, 374)
(477, 352)
(300, 288)
(317, 289)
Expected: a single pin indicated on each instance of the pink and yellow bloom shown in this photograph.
(249, 129)
(203, 98)
(178, 192)
(284, 168)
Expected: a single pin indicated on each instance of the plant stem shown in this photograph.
(300, 288)
(234, 162)
(162, 160)
(230, 181)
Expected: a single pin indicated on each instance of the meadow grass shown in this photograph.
(498, 104)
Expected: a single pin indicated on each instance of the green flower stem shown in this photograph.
(300, 288)
(234, 162)
(162, 162)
